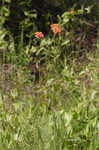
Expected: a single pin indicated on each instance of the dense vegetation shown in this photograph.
(49, 75)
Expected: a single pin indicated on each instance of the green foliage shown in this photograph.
(49, 93)
(61, 113)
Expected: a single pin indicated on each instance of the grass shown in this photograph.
(50, 102)
(58, 113)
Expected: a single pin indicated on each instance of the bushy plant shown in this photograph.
(49, 94)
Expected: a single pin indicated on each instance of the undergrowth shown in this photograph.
(49, 84)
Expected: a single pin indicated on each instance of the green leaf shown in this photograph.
(65, 43)
(14, 93)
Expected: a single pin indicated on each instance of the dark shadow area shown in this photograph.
(17, 16)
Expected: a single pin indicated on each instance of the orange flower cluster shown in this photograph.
(39, 35)
(55, 28)
(72, 12)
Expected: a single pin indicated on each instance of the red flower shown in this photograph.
(55, 28)
(39, 35)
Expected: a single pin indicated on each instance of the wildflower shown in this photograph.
(39, 35)
(72, 12)
(55, 28)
